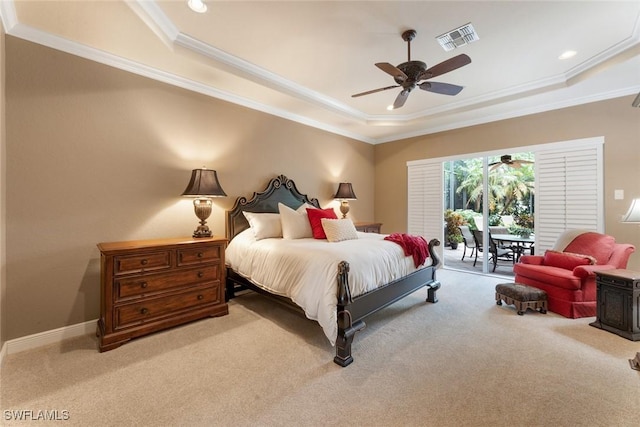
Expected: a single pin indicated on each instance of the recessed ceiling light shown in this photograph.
(197, 6)
(567, 54)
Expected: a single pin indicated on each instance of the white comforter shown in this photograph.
(305, 270)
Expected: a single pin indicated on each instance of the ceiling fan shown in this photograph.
(506, 160)
(408, 74)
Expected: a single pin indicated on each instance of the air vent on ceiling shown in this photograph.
(458, 37)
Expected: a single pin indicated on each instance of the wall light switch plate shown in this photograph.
(618, 194)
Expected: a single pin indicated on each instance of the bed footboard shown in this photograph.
(352, 311)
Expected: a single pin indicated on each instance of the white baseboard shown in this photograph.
(3, 351)
(48, 337)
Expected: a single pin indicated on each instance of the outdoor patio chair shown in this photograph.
(469, 241)
(495, 252)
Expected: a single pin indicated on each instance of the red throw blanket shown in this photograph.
(416, 246)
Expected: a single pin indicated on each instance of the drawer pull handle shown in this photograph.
(200, 254)
(144, 262)
(200, 297)
(143, 285)
(200, 274)
(144, 311)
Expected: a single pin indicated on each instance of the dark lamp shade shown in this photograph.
(204, 183)
(345, 192)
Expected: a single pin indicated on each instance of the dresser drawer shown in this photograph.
(152, 309)
(193, 256)
(127, 264)
(148, 284)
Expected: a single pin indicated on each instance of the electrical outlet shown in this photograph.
(618, 194)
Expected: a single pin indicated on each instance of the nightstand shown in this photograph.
(368, 227)
(150, 285)
(618, 303)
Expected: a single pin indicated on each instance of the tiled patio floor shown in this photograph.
(453, 260)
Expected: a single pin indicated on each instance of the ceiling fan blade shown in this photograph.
(445, 66)
(518, 163)
(374, 91)
(395, 72)
(441, 88)
(401, 98)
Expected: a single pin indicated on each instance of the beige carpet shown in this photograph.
(462, 361)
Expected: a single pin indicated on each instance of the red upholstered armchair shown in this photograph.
(567, 273)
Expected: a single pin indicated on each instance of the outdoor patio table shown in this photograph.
(519, 243)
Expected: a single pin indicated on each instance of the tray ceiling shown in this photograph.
(302, 60)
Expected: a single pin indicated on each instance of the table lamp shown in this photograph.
(203, 186)
(633, 214)
(344, 194)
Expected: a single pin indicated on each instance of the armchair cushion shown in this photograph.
(566, 260)
(553, 276)
(597, 245)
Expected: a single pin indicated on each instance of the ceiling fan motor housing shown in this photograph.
(412, 69)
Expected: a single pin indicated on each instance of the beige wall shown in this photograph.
(3, 205)
(97, 154)
(615, 119)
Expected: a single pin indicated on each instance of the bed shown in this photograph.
(348, 308)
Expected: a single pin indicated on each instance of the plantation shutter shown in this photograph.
(569, 191)
(424, 199)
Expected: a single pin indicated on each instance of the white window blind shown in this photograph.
(569, 191)
(424, 200)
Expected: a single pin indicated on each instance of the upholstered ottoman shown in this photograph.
(522, 296)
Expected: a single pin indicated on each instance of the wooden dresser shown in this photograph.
(150, 285)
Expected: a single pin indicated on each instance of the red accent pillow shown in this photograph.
(315, 217)
(566, 260)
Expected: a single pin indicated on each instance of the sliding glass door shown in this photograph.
(547, 189)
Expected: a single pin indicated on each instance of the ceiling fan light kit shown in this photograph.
(408, 74)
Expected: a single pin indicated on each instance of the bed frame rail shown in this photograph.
(352, 311)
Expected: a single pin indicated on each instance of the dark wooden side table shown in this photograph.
(368, 227)
(618, 303)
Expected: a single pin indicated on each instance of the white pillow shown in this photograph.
(264, 225)
(338, 230)
(295, 224)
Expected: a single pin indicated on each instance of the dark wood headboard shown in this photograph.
(279, 190)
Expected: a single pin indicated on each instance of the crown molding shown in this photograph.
(8, 15)
(274, 81)
(153, 16)
(267, 78)
(541, 108)
(59, 43)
